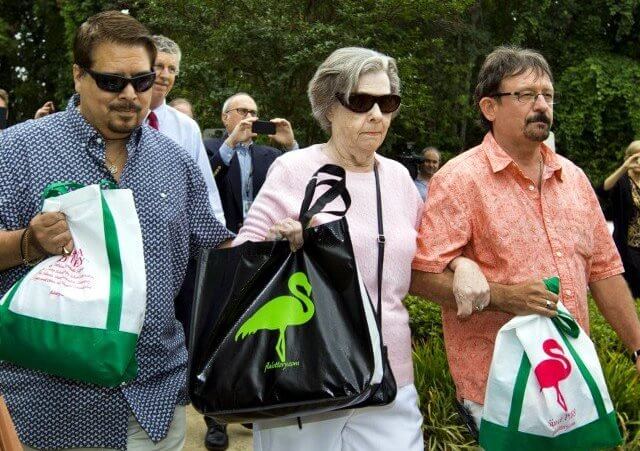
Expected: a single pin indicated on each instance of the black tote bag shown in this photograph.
(277, 333)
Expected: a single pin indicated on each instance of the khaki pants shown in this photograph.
(138, 440)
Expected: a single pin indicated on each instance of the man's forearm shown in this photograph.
(519, 299)
(435, 287)
(10, 249)
(614, 301)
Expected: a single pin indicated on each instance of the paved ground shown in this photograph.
(239, 437)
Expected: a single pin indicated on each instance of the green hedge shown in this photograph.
(443, 429)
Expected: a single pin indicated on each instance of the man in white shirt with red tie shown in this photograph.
(186, 132)
(174, 124)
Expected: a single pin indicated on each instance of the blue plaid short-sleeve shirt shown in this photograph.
(176, 220)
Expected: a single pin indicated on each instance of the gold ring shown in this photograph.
(65, 251)
(549, 305)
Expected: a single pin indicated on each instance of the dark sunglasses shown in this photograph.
(116, 83)
(361, 103)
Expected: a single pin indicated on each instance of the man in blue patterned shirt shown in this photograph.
(99, 136)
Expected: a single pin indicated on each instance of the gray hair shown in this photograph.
(225, 105)
(166, 45)
(432, 149)
(507, 61)
(340, 73)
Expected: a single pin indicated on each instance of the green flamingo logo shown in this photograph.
(282, 312)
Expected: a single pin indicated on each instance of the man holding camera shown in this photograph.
(240, 166)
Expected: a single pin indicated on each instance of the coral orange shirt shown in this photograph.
(482, 206)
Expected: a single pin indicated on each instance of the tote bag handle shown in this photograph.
(337, 188)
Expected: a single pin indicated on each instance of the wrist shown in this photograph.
(230, 142)
(497, 294)
(31, 252)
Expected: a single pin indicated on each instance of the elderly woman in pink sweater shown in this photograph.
(354, 96)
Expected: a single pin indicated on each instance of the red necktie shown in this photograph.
(153, 120)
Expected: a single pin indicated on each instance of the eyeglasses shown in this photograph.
(171, 69)
(116, 83)
(361, 103)
(530, 96)
(243, 112)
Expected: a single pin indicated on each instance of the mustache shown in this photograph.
(125, 107)
(540, 117)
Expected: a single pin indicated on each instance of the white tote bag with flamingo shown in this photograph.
(546, 390)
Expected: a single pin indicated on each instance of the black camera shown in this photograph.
(411, 162)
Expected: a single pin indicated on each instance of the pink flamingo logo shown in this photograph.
(551, 371)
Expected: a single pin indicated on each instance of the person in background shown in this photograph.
(4, 108)
(429, 166)
(45, 110)
(183, 105)
(622, 189)
(174, 124)
(238, 164)
(354, 95)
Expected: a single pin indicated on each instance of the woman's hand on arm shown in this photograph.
(470, 287)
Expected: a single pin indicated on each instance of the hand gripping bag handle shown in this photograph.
(568, 328)
(337, 188)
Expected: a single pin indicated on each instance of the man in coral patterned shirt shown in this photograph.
(522, 213)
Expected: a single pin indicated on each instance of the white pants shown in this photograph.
(397, 426)
(138, 440)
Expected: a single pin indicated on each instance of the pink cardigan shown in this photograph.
(281, 195)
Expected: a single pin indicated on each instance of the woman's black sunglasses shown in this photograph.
(116, 83)
(361, 103)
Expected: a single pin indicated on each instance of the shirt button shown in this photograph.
(99, 140)
(531, 187)
(558, 254)
(568, 292)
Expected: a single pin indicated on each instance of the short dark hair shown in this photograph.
(112, 27)
(506, 61)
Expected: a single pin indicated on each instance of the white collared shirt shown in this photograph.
(186, 132)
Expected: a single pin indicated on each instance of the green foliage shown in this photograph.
(441, 423)
(30, 64)
(425, 318)
(599, 109)
(272, 48)
(442, 426)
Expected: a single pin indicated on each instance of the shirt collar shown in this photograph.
(160, 110)
(499, 159)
